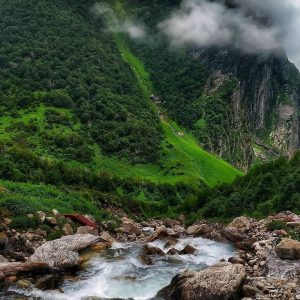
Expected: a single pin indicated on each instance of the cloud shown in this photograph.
(113, 24)
(253, 26)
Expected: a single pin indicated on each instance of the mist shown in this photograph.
(256, 26)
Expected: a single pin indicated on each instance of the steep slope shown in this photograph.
(70, 94)
(242, 107)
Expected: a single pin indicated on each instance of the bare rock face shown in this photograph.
(63, 252)
(220, 282)
(198, 230)
(288, 249)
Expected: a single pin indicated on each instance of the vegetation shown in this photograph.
(266, 189)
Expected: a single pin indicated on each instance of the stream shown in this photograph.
(118, 273)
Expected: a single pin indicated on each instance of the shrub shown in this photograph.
(24, 222)
(276, 225)
(54, 235)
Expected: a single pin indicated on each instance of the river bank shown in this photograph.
(138, 260)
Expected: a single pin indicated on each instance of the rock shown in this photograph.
(15, 268)
(3, 240)
(63, 252)
(220, 282)
(188, 249)
(2, 259)
(91, 218)
(7, 221)
(129, 227)
(149, 250)
(198, 230)
(67, 229)
(2, 276)
(288, 249)
(41, 216)
(100, 246)
(87, 230)
(47, 282)
(55, 213)
(281, 232)
(250, 291)
(160, 232)
(175, 231)
(51, 221)
(171, 222)
(24, 284)
(236, 260)
(170, 243)
(107, 237)
(173, 251)
(146, 259)
(242, 224)
(232, 234)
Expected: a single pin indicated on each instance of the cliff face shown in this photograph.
(265, 101)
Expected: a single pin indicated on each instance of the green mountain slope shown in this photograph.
(73, 92)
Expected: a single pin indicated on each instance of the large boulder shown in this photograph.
(63, 252)
(288, 249)
(242, 224)
(220, 282)
(198, 230)
(233, 234)
(160, 232)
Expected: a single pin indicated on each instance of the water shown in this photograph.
(118, 272)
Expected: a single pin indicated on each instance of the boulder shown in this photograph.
(171, 222)
(198, 230)
(233, 234)
(173, 251)
(149, 250)
(236, 260)
(160, 232)
(242, 224)
(129, 227)
(67, 229)
(55, 213)
(87, 230)
(288, 249)
(41, 216)
(63, 252)
(175, 231)
(220, 282)
(107, 237)
(188, 249)
(2, 259)
(15, 268)
(170, 243)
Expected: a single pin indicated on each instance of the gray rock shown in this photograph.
(220, 282)
(63, 252)
(51, 221)
(198, 230)
(67, 229)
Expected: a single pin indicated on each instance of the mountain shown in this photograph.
(242, 107)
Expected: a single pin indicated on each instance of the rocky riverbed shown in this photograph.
(158, 259)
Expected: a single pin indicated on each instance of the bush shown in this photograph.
(276, 225)
(24, 222)
(54, 235)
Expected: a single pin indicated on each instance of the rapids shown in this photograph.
(117, 273)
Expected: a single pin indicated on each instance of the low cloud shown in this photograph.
(253, 26)
(113, 24)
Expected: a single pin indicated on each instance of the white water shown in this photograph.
(118, 272)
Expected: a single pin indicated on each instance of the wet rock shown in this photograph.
(100, 246)
(149, 250)
(160, 232)
(173, 251)
(2, 259)
(47, 282)
(288, 249)
(188, 249)
(198, 230)
(63, 252)
(146, 259)
(87, 230)
(170, 243)
(220, 282)
(67, 229)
